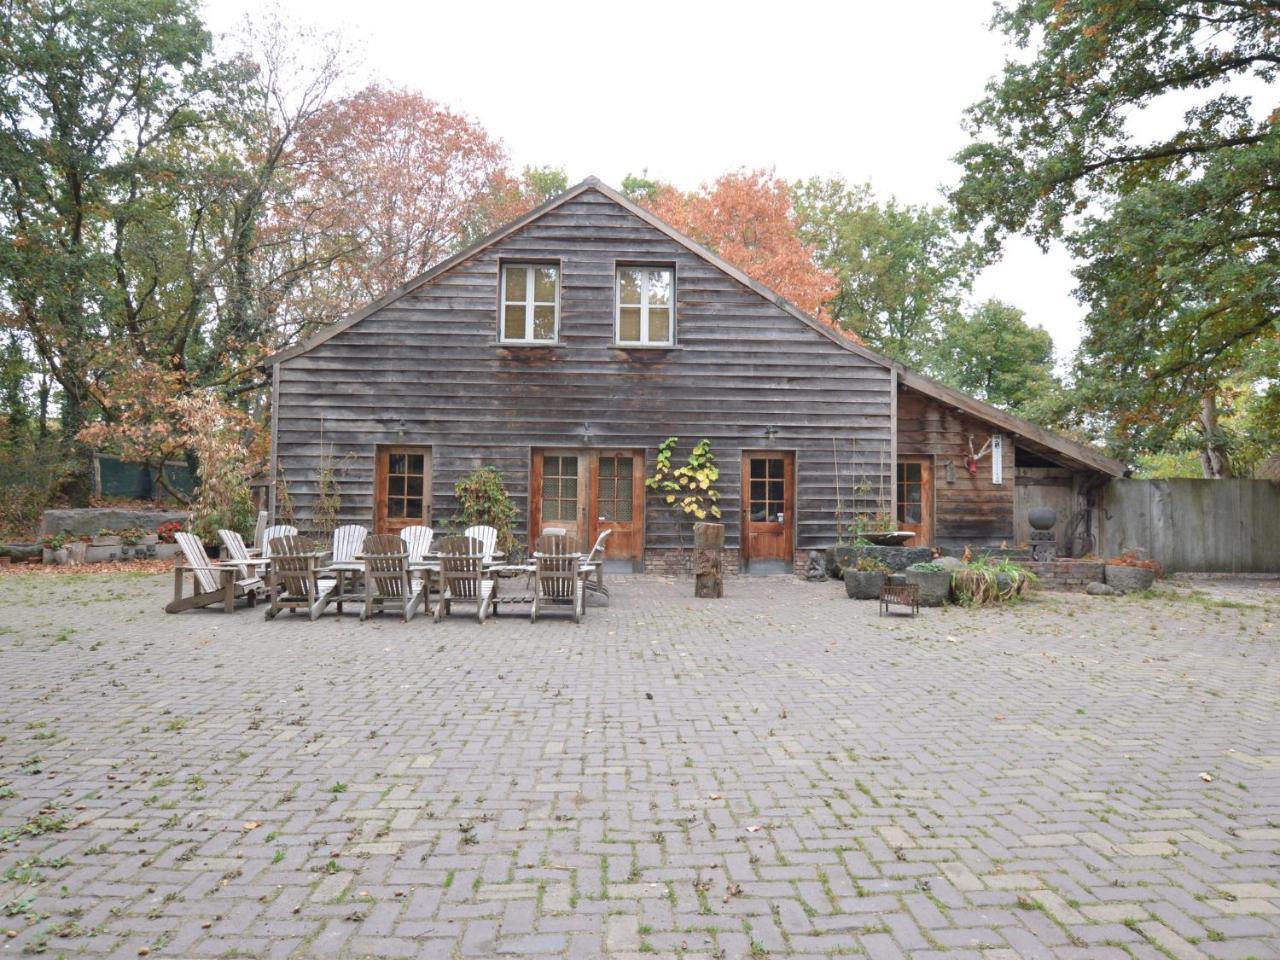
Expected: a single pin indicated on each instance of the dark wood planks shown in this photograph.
(428, 369)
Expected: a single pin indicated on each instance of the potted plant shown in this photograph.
(863, 580)
(1131, 572)
(53, 548)
(167, 533)
(983, 581)
(107, 538)
(934, 581)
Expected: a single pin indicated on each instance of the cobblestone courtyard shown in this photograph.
(778, 774)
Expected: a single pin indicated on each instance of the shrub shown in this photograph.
(984, 581)
(871, 565)
(485, 502)
(30, 478)
(168, 531)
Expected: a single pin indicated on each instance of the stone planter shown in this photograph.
(935, 585)
(839, 558)
(54, 558)
(107, 540)
(860, 585)
(101, 554)
(166, 550)
(1129, 579)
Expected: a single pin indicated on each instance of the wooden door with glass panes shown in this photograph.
(768, 507)
(402, 488)
(617, 502)
(915, 499)
(559, 477)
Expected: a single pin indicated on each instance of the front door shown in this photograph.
(617, 503)
(915, 499)
(559, 477)
(585, 492)
(402, 488)
(768, 510)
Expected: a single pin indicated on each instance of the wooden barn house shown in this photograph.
(563, 348)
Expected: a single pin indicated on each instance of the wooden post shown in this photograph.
(708, 544)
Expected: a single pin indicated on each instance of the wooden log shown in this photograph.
(708, 550)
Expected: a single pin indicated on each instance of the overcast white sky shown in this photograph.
(868, 91)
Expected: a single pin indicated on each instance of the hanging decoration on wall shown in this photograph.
(971, 461)
(997, 458)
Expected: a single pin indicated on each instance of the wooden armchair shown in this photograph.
(387, 579)
(274, 533)
(209, 584)
(558, 579)
(594, 566)
(463, 578)
(296, 581)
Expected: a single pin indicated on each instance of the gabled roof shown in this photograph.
(1076, 453)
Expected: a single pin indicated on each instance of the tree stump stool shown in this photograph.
(708, 566)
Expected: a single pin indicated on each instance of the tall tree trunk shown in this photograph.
(1213, 456)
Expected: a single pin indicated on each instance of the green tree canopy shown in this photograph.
(902, 269)
(995, 355)
(1178, 230)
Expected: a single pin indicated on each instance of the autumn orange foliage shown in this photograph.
(391, 179)
(746, 217)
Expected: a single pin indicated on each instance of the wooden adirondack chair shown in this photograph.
(418, 541)
(387, 579)
(275, 533)
(239, 553)
(347, 541)
(296, 580)
(487, 536)
(463, 578)
(209, 584)
(259, 532)
(594, 564)
(558, 579)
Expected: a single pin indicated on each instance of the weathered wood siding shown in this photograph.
(970, 510)
(428, 369)
(1220, 526)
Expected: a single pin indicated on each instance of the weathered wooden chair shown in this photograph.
(387, 580)
(418, 541)
(295, 580)
(594, 566)
(275, 533)
(259, 531)
(347, 542)
(558, 579)
(237, 552)
(463, 578)
(209, 584)
(487, 536)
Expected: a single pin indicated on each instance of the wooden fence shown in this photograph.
(1212, 526)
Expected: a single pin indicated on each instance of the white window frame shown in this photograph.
(529, 303)
(644, 340)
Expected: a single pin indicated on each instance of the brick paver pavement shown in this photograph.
(778, 774)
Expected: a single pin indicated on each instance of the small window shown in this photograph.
(646, 304)
(530, 303)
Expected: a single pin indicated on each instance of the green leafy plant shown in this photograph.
(928, 566)
(55, 541)
(484, 501)
(690, 488)
(871, 565)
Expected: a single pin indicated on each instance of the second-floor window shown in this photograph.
(646, 298)
(530, 303)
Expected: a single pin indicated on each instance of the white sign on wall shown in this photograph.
(997, 458)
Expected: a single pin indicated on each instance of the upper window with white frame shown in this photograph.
(646, 306)
(530, 303)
